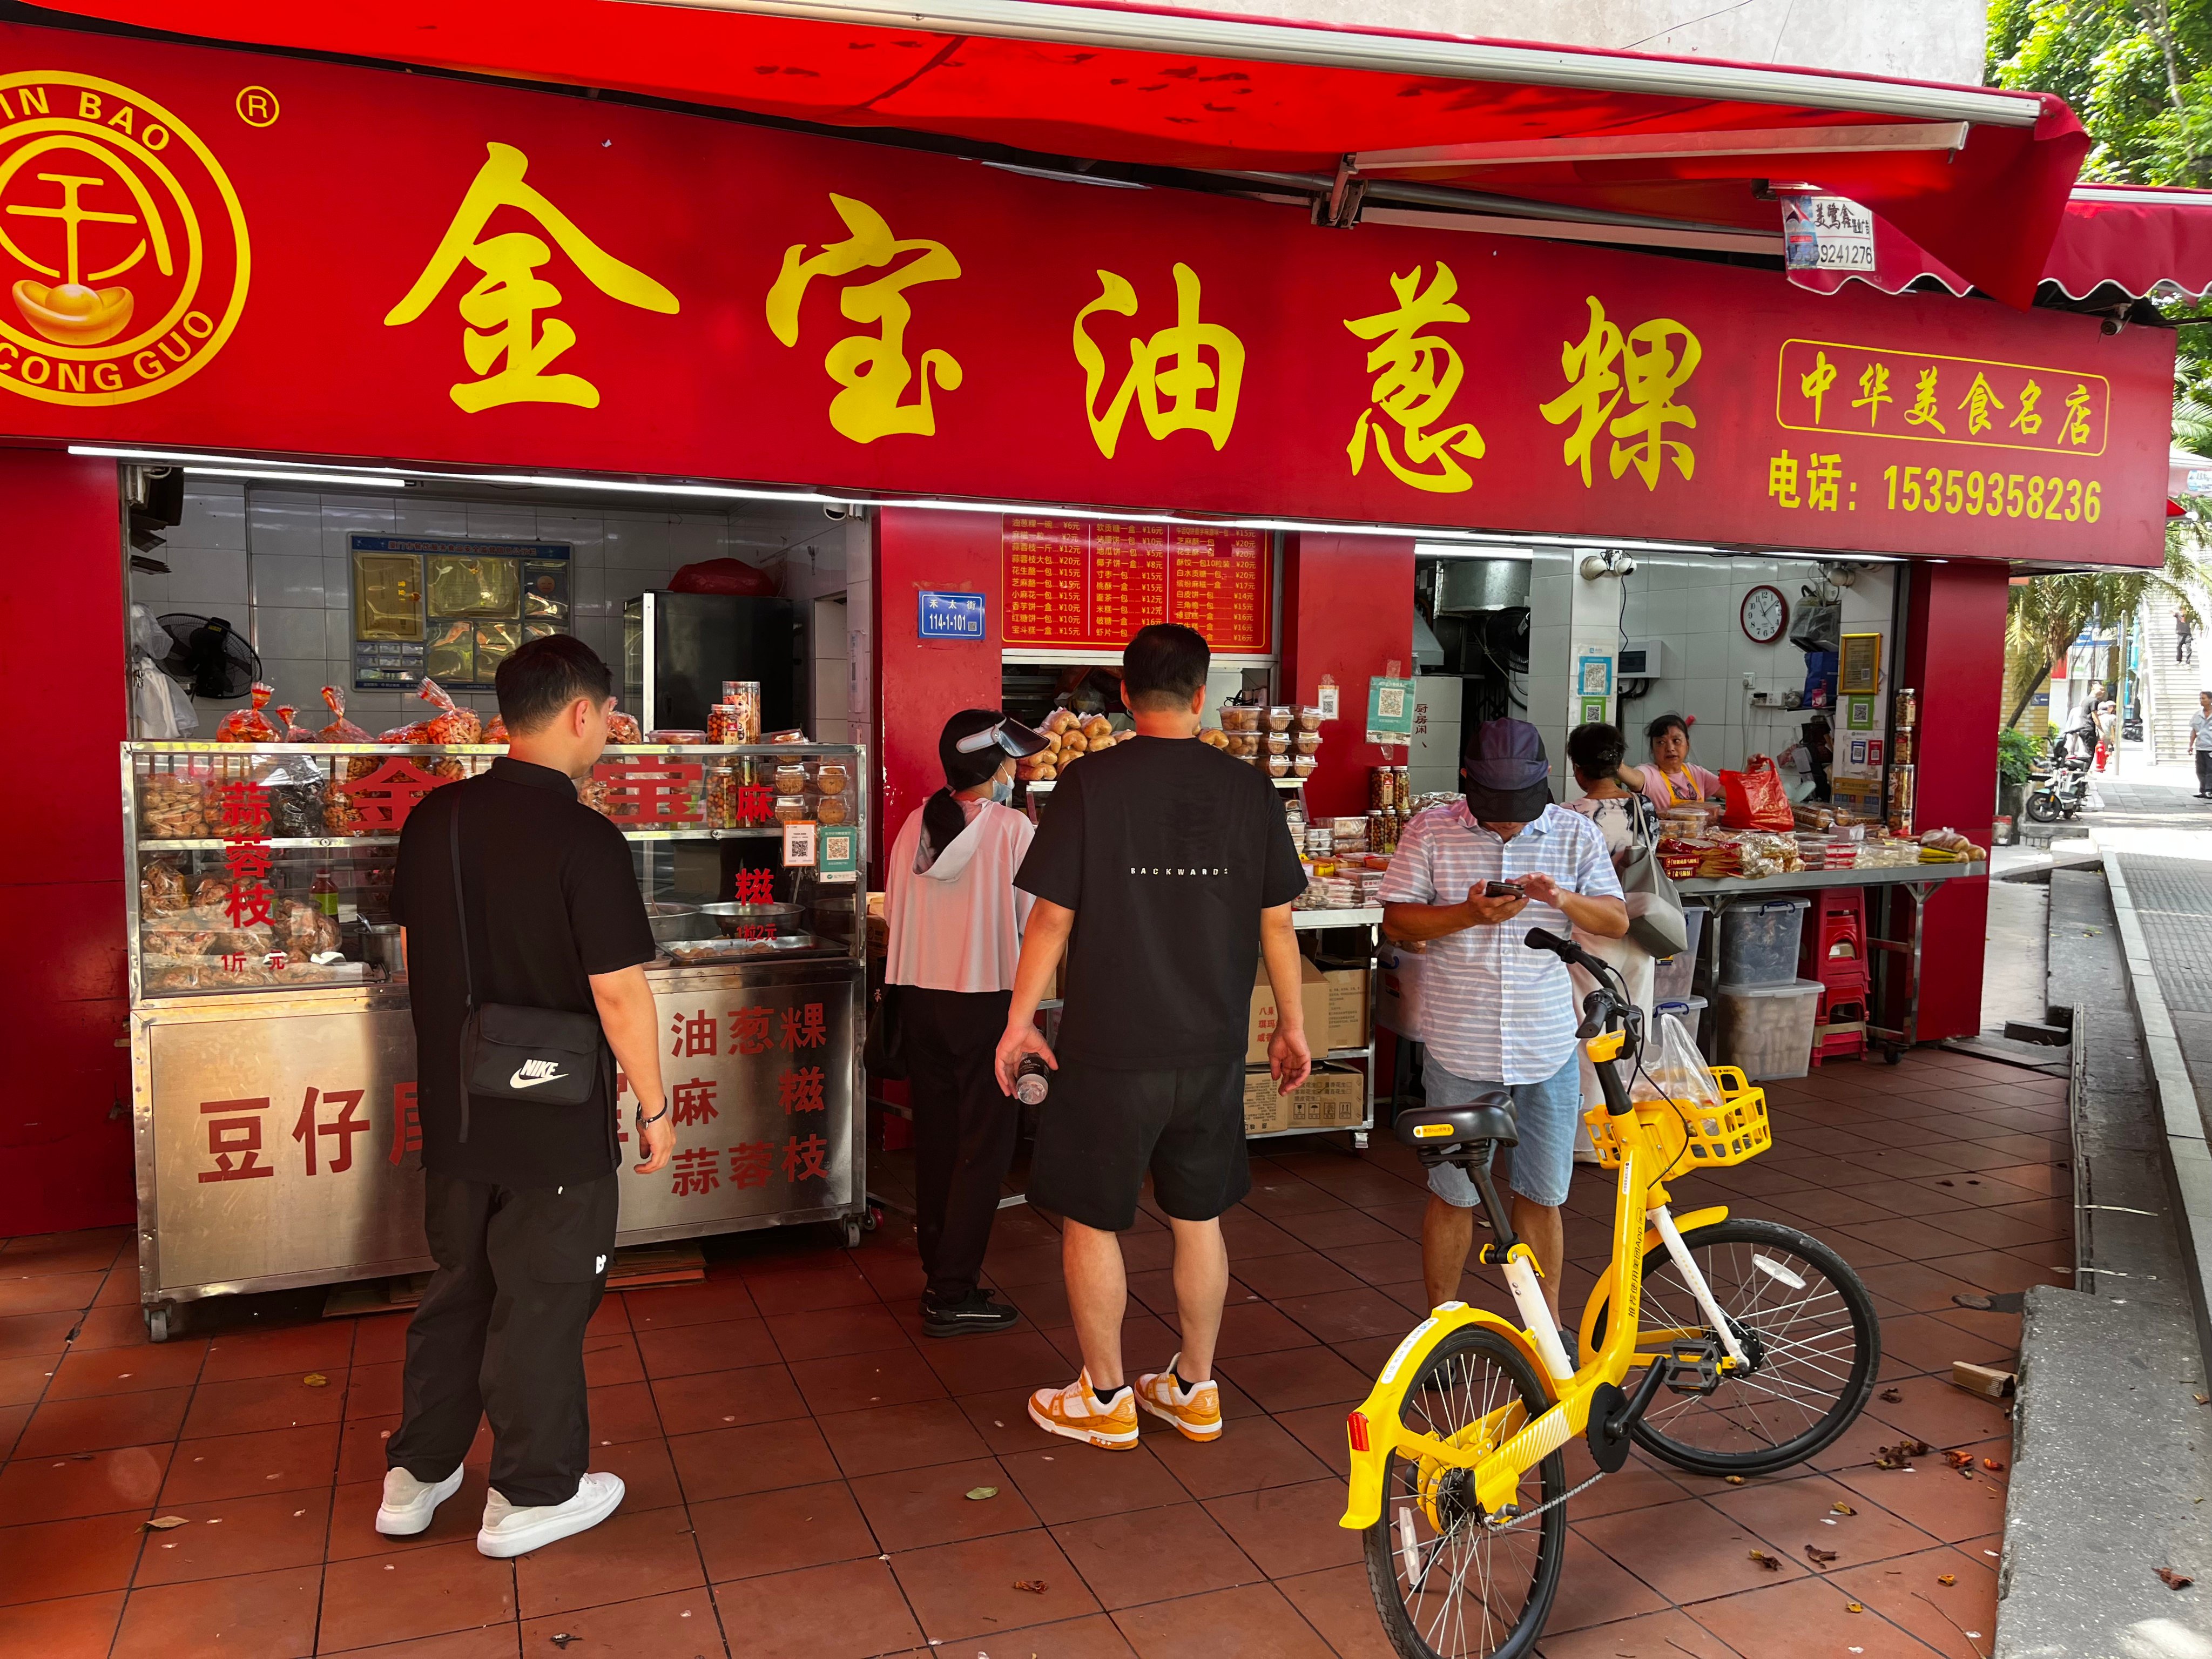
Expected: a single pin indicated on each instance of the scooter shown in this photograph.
(2062, 787)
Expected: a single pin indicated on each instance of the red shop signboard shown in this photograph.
(231, 250)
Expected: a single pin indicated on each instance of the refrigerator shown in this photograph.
(678, 648)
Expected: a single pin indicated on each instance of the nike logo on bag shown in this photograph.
(531, 1072)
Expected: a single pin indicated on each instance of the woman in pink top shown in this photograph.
(955, 923)
(1671, 779)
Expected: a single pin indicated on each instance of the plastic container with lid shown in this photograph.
(1767, 1029)
(1691, 1010)
(1310, 718)
(1279, 718)
(724, 724)
(1671, 976)
(1243, 745)
(830, 809)
(1306, 742)
(1758, 942)
(1238, 717)
(1276, 742)
(1276, 766)
(675, 735)
(790, 778)
(1302, 766)
(791, 809)
(832, 779)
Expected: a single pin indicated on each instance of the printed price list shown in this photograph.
(1093, 583)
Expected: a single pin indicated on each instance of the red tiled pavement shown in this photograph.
(799, 1461)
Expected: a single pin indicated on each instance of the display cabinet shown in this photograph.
(272, 1049)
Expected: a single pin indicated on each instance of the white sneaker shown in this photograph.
(509, 1530)
(409, 1504)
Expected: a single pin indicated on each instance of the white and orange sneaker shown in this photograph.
(1077, 1413)
(1195, 1410)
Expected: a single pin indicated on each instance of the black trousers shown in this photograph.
(500, 1333)
(2204, 771)
(963, 1129)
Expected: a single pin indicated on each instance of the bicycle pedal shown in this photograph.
(1694, 1367)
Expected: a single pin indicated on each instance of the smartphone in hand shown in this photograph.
(1501, 889)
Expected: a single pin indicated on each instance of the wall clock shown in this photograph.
(1764, 613)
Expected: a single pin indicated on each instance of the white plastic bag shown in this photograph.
(1678, 1071)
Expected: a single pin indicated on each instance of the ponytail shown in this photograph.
(942, 821)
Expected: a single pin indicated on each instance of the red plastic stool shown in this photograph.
(1839, 1025)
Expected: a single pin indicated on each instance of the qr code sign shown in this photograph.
(1390, 703)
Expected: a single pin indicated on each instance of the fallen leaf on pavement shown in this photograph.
(1960, 1460)
(1818, 1558)
(562, 1640)
(977, 1494)
(1853, 1607)
(1991, 1464)
(163, 1522)
(1946, 1579)
(1841, 1509)
(2173, 1580)
(1770, 1563)
(1901, 1455)
(1893, 1395)
(1733, 1480)
(316, 1380)
(1033, 1586)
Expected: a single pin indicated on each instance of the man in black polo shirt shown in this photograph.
(520, 1194)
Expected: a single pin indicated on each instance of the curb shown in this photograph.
(2188, 1158)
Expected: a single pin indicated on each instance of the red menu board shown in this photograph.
(1093, 583)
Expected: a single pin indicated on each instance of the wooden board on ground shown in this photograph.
(679, 1262)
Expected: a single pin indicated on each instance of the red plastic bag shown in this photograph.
(496, 731)
(721, 576)
(622, 728)
(250, 725)
(340, 730)
(1756, 800)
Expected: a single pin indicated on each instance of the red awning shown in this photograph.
(1978, 177)
(2133, 237)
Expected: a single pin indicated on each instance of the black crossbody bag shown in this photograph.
(509, 1051)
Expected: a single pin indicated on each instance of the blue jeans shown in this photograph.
(1540, 1168)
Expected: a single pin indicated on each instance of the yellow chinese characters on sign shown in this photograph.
(1186, 377)
(1974, 401)
(1655, 360)
(501, 308)
(872, 369)
(1417, 375)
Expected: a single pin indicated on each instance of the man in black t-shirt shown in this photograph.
(519, 1193)
(1164, 870)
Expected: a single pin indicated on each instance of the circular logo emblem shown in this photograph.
(123, 249)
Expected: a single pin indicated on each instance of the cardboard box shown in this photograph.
(1347, 1004)
(1334, 1097)
(1313, 994)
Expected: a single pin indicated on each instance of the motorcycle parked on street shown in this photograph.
(2060, 787)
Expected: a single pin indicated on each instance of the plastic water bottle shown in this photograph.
(1032, 1080)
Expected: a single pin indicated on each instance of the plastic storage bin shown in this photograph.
(1691, 1010)
(1671, 975)
(1767, 1029)
(1758, 942)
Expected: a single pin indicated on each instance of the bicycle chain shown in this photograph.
(1530, 1515)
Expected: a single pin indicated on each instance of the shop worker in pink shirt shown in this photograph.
(956, 925)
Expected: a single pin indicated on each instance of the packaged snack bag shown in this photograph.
(340, 730)
(250, 725)
(450, 724)
(622, 728)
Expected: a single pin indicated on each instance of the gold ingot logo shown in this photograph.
(122, 247)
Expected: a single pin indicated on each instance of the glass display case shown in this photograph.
(273, 1056)
(261, 868)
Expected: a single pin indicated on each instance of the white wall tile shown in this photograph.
(284, 579)
(214, 515)
(288, 632)
(516, 523)
(281, 522)
(208, 570)
(423, 516)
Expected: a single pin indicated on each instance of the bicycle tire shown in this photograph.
(1849, 1396)
(1548, 1531)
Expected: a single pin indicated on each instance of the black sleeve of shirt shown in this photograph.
(1285, 878)
(606, 915)
(1053, 868)
(409, 884)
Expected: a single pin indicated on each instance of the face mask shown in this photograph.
(1002, 791)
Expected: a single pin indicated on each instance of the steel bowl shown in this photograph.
(735, 920)
(671, 922)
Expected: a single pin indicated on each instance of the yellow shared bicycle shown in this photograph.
(1753, 1346)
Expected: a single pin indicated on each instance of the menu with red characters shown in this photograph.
(1092, 584)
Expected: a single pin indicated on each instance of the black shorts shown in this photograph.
(1099, 1131)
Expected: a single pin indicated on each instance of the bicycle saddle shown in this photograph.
(1445, 1129)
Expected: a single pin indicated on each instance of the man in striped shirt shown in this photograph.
(1497, 1014)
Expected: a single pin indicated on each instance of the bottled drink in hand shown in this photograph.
(1032, 1080)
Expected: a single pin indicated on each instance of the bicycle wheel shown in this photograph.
(1806, 1324)
(1448, 1584)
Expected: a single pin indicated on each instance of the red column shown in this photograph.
(1954, 658)
(920, 683)
(1347, 611)
(64, 1112)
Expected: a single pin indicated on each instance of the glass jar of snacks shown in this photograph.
(724, 724)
